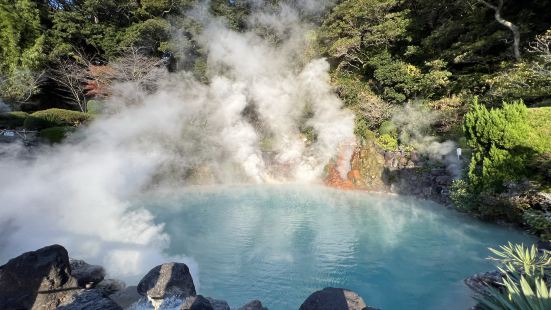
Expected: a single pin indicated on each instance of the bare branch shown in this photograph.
(71, 77)
(541, 47)
(135, 66)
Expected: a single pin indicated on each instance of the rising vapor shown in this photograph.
(245, 125)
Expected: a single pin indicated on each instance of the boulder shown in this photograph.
(37, 280)
(126, 297)
(334, 299)
(167, 280)
(86, 274)
(480, 282)
(218, 304)
(89, 300)
(253, 305)
(196, 303)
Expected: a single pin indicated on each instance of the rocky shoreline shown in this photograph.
(48, 279)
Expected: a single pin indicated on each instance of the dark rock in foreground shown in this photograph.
(334, 299)
(37, 280)
(44, 280)
(167, 280)
(253, 305)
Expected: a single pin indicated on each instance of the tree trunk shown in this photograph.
(514, 29)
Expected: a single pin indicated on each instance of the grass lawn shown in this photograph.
(540, 119)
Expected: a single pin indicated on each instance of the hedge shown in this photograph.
(55, 134)
(12, 120)
(55, 118)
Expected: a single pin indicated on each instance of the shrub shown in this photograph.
(539, 222)
(389, 128)
(55, 134)
(461, 196)
(55, 118)
(501, 149)
(12, 120)
(363, 132)
(387, 142)
(400, 80)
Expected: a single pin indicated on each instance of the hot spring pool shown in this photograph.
(281, 243)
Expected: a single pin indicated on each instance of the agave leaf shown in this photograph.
(524, 270)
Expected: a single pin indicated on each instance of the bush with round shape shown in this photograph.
(55, 134)
(55, 118)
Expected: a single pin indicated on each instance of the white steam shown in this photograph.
(245, 125)
(414, 122)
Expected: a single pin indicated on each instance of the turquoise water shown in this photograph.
(281, 243)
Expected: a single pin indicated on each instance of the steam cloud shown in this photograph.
(414, 122)
(243, 126)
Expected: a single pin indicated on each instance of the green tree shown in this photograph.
(356, 29)
(21, 38)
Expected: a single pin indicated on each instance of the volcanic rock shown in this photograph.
(167, 280)
(253, 305)
(334, 299)
(37, 280)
